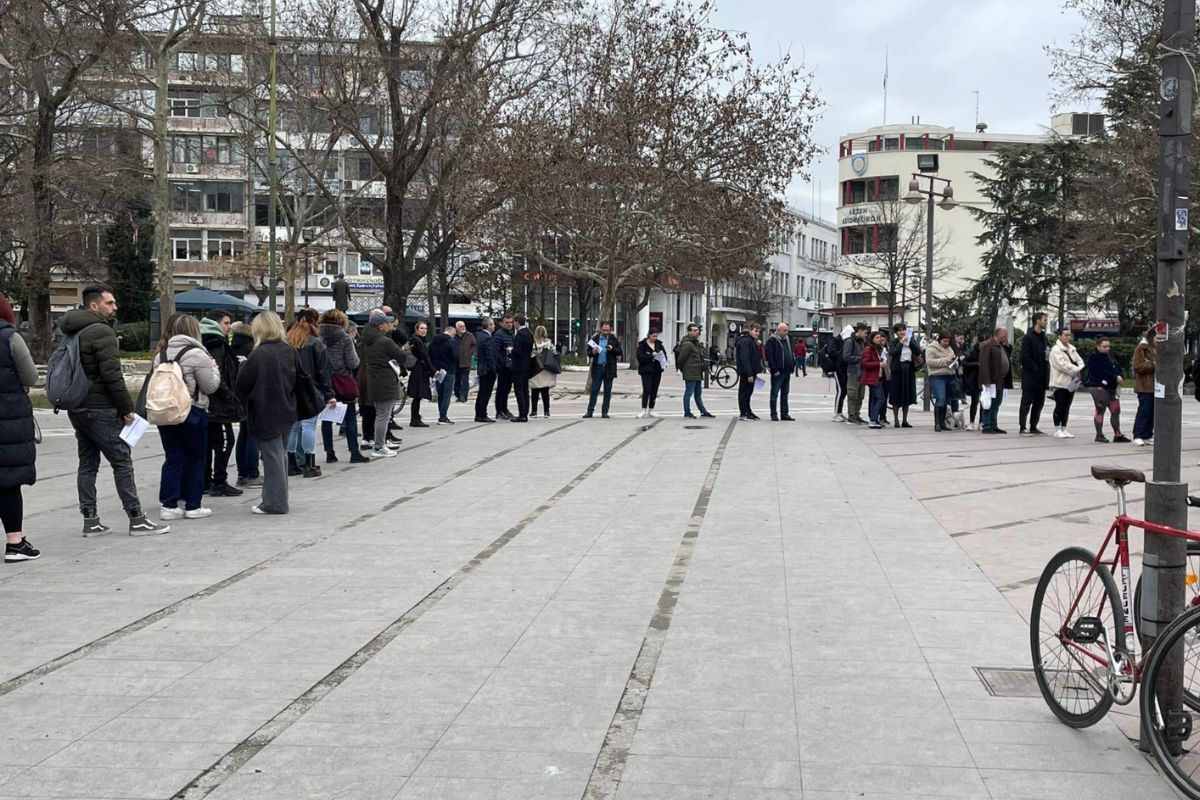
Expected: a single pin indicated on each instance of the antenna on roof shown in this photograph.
(976, 93)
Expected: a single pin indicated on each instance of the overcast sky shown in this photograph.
(938, 53)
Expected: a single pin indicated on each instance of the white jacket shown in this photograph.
(200, 372)
(1065, 365)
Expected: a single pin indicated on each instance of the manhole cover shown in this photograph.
(695, 427)
(1009, 681)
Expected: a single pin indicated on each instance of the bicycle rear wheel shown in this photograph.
(1172, 739)
(1070, 653)
(726, 377)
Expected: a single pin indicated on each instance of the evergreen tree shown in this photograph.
(129, 254)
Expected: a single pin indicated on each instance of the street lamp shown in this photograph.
(944, 199)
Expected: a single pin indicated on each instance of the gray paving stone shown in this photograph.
(97, 782)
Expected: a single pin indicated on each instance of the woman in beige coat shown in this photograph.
(542, 381)
(1065, 367)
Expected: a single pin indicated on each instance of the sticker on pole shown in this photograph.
(1161, 331)
(1181, 219)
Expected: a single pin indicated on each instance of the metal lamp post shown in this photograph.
(944, 199)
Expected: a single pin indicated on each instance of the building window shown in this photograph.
(184, 60)
(186, 247)
(224, 244)
(857, 298)
(883, 189)
(224, 197)
(187, 197)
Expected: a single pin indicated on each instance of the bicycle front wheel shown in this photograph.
(1173, 741)
(1077, 616)
(726, 378)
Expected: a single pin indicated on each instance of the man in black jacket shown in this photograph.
(485, 359)
(223, 406)
(748, 359)
(502, 342)
(782, 363)
(1035, 375)
(104, 412)
(604, 349)
(522, 357)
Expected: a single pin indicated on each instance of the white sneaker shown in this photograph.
(1139, 442)
(1059, 434)
(651, 414)
(383, 454)
(1067, 434)
(643, 415)
(167, 512)
(839, 418)
(197, 513)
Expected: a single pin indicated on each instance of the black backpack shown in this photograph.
(831, 355)
(67, 385)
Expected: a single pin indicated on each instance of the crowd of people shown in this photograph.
(258, 393)
(968, 382)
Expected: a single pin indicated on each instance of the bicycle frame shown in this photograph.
(1127, 647)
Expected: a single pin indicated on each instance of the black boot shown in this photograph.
(937, 419)
(293, 467)
(311, 470)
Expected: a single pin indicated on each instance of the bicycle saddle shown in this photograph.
(1118, 475)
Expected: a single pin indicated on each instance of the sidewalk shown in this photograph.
(611, 609)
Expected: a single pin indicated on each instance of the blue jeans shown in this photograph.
(991, 416)
(597, 382)
(350, 423)
(1143, 423)
(779, 389)
(876, 404)
(246, 453)
(941, 389)
(185, 447)
(692, 389)
(303, 438)
(445, 393)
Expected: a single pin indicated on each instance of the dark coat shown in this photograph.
(971, 372)
(646, 361)
(223, 404)
(466, 349)
(1103, 371)
(339, 349)
(442, 355)
(1035, 369)
(852, 350)
(315, 360)
(266, 382)
(241, 345)
(522, 352)
(614, 355)
(991, 365)
(747, 356)
(689, 359)
(422, 371)
(341, 294)
(18, 453)
(485, 356)
(378, 350)
(779, 356)
(101, 358)
(502, 339)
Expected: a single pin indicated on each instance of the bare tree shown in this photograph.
(657, 146)
(894, 244)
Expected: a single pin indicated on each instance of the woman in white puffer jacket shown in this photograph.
(1065, 368)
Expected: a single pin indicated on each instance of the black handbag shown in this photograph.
(309, 400)
(549, 360)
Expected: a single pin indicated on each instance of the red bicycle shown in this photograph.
(1086, 652)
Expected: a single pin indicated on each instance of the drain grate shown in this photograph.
(1009, 681)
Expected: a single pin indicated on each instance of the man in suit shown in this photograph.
(748, 360)
(341, 294)
(502, 341)
(522, 359)
(605, 351)
(485, 358)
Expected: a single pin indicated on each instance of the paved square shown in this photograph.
(571, 608)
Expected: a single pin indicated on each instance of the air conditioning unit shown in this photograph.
(192, 169)
(348, 186)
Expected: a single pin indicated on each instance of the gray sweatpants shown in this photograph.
(383, 418)
(275, 487)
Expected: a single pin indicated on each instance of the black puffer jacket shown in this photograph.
(339, 347)
(18, 453)
(315, 360)
(101, 358)
(223, 404)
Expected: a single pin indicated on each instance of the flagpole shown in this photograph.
(885, 77)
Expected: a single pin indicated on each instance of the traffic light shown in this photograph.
(575, 325)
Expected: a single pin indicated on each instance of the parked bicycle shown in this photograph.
(1086, 654)
(721, 374)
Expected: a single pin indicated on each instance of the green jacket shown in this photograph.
(379, 349)
(101, 359)
(689, 358)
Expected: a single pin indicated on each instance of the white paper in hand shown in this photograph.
(334, 415)
(132, 433)
(759, 383)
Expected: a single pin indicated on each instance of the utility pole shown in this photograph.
(1166, 497)
(272, 167)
